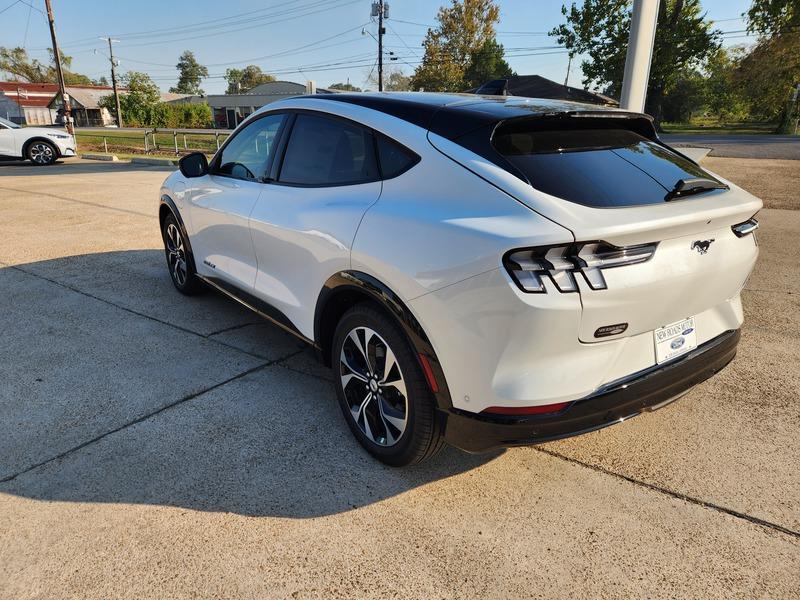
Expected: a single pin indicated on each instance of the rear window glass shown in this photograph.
(600, 167)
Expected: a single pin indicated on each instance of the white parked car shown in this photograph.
(485, 271)
(40, 145)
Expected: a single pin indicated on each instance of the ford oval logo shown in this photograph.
(677, 343)
(688, 331)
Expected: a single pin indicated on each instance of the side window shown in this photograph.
(323, 151)
(247, 155)
(394, 158)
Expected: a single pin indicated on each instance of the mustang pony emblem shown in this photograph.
(702, 245)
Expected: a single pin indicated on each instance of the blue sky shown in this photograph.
(305, 39)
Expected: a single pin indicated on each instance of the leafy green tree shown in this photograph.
(394, 80)
(463, 29)
(773, 16)
(724, 97)
(191, 73)
(17, 63)
(599, 29)
(686, 97)
(767, 74)
(102, 81)
(244, 80)
(397, 81)
(486, 64)
(345, 87)
(138, 102)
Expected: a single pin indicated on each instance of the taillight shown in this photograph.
(746, 228)
(530, 267)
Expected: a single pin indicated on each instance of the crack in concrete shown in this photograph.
(673, 494)
(141, 418)
(137, 313)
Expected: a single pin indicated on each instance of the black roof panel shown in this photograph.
(452, 115)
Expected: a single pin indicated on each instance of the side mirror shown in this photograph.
(193, 165)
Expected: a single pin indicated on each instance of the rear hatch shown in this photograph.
(607, 178)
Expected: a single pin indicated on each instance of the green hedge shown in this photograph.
(195, 116)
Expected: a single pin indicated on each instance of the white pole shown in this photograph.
(640, 53)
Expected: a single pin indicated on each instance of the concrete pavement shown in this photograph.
(153, 445)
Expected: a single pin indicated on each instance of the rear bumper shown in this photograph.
(613, 403)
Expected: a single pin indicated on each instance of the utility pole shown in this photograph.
(59, 71)
(569, 66)
(640, 53)
(114, 78)
(380, 9)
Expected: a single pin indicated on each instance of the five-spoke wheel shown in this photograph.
(176, 255)
(42, 153)
(373, 386)
(381, 388)
(181, 269)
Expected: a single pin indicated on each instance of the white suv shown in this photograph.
(486, 271)
(40, 145)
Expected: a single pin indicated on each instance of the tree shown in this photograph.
(463, 29)
(345, 87)
(686, 97)
(767, 74)
(190, 75)
(773, 16)
(725, 99)
(16, 62)
(600, 29)
(139, 102)
(394, 80)
(397, 81)
(487, 64)
(244, 80)
(102, 81)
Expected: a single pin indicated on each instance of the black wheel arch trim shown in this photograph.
(379, 292)
(167, 202)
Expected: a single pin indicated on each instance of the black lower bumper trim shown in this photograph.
(613, 403)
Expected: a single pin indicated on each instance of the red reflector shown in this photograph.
(426, 368)
(526, 410)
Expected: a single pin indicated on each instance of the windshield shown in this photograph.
(8, 123)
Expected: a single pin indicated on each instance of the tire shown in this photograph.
(41, 153)
(179, 260)
(392, 415)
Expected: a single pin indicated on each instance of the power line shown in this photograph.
(300, 12)
(12, 5)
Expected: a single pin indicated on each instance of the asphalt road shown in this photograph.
(741, 145)
(157, 446)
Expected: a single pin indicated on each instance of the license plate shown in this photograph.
(675, 339)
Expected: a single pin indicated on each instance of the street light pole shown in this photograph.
(114, 78)
(59, 71)
(640, 53)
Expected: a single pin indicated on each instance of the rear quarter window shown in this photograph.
(602, 167)
(394, 159)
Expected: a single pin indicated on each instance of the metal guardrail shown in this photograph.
(151, 140)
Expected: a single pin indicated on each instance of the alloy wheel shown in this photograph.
(373, 386)
(176, 255)
(41, 153)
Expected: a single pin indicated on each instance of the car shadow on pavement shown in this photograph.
(113, 400)
(19, 168)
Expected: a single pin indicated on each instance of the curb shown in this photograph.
(106, 157)
(164, 162)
